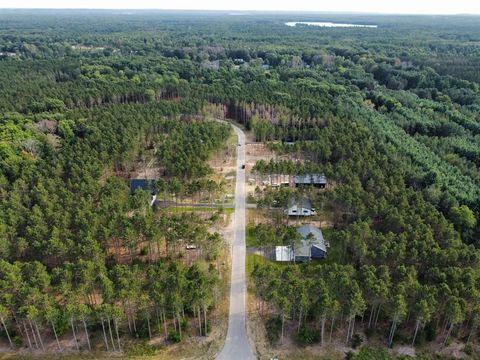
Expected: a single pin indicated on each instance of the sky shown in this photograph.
(368, 6)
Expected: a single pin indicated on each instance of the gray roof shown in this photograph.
(310, 179)
(304, 204)
(318, 242)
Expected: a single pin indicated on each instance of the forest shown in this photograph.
(391, 115)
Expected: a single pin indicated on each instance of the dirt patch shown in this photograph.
(404, 350)
(454, 350)
(224, 166)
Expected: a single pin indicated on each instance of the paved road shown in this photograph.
(237, 345)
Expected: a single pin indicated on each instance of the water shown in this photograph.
(328, 24)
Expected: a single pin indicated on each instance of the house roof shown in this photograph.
(144, 184)
(310, 179)
(304, 204)
(318, 241)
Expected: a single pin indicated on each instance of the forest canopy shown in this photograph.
(390, 115)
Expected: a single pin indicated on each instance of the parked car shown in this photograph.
(243, 166)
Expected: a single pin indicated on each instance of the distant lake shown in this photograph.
(328, 24)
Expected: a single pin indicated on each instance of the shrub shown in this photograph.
(174, 336)
(430, 332)
(421, 338)
(209, 328)
(468, 349)
(369, 353)
(61, 324)
(307, 335)
(370, 332)
(141, 349)
(273, 328)
(357, 340)
(184, 324)
(18, 341)
(142, 328)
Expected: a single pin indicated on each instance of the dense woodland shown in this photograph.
(392, 115)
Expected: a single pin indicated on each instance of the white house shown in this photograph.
(303, 208)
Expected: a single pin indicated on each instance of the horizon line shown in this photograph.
(243, 12)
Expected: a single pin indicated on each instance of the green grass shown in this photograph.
(251, 236)
(253, 259)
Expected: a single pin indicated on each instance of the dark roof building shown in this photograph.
(317, 180)
(144, 184)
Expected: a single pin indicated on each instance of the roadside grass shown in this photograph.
(190, 209)
(253, 259)
(251, 237)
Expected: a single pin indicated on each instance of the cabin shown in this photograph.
(312, 246)
(300, 208)
(316, 180)
(148, 185)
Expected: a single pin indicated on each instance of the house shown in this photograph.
(316, 180)
(238, 61)
(312, 246)
(148, 185)
(303, 208)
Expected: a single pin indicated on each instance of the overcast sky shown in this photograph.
(377, 6)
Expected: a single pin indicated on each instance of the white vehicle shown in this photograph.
(191, 247)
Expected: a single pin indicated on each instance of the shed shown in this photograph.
(283, 253)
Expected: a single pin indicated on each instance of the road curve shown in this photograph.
(237, 346)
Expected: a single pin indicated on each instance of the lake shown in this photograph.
(328, 24)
